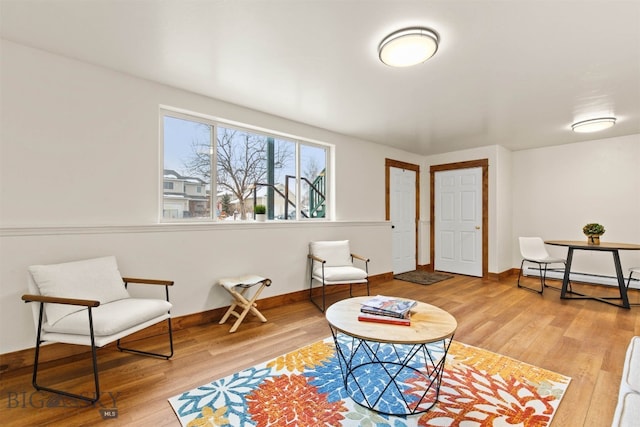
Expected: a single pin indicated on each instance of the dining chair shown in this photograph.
(631, 271)
(533, 250)
(332, 263)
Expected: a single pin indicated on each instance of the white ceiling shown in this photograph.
(515, 73)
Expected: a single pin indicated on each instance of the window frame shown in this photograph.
(214, 124)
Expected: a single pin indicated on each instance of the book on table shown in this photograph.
(366, 317)
(387, 306)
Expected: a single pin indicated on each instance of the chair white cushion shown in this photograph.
(547, 260)
(335, 253)
(628, 407)
(111, 318)
(248, 281)
(628, 411)
(96, 279)
(631, 371)
(345, 274)
(533, 249)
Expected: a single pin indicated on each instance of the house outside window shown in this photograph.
(251, 168)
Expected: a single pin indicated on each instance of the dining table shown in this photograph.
(614, 248)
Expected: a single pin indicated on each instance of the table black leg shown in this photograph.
(421, 362)
(620, 276)
(567, 272)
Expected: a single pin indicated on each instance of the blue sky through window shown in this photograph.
(178, 136)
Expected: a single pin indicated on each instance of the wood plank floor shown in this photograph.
(583, 339)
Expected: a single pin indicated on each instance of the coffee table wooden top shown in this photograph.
(428, 323)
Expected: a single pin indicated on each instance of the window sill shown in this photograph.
(177, 227)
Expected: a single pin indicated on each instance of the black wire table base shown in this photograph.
(391, 378)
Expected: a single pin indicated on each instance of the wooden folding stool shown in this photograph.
(243, 284)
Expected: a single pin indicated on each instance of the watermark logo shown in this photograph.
(107, 405)
(109, 413)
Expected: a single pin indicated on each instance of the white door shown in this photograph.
(458, 221)
(402, 212)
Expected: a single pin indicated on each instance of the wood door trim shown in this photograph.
(388, 164)
(481, 163)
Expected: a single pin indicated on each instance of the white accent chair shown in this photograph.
(627, 413)
(87, 303)
(332, 263)
(533, 250)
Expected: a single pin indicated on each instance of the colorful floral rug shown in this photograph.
(306, 388)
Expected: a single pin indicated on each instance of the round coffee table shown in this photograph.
(392, 369)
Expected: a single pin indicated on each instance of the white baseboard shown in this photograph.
(558, 273)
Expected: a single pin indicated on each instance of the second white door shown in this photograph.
(458, 221)
(402, 205)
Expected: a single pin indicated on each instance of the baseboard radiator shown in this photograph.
(558, 273)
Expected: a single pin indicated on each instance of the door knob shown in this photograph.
(477, 227)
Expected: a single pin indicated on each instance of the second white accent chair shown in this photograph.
(533, 251)
(332, 263)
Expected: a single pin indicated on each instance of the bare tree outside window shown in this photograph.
(242, 161)
(250, 169)
(198, 162)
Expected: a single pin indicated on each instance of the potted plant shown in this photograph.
(260, 213)
(593, 231)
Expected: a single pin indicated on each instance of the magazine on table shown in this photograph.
(379, 312)
(367, 317)
(387, 306)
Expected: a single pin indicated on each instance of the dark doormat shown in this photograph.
(422, 277)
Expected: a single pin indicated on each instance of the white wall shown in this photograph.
(194, 256)
(73, 135)
(502, 223)
(552, 192)
(557, 190)
(79, 177)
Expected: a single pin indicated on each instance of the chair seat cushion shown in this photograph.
(631, 371)
(93, 279)
(111, 318)
(628, 411)
(547, 260)
(343, 274)
(243, 281)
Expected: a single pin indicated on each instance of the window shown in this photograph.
(250, 168)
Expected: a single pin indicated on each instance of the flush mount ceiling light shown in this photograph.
(593, 125)
(407, 47)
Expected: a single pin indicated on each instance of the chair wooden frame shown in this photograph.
(90, 304)
(314, 258)
(242, 301)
